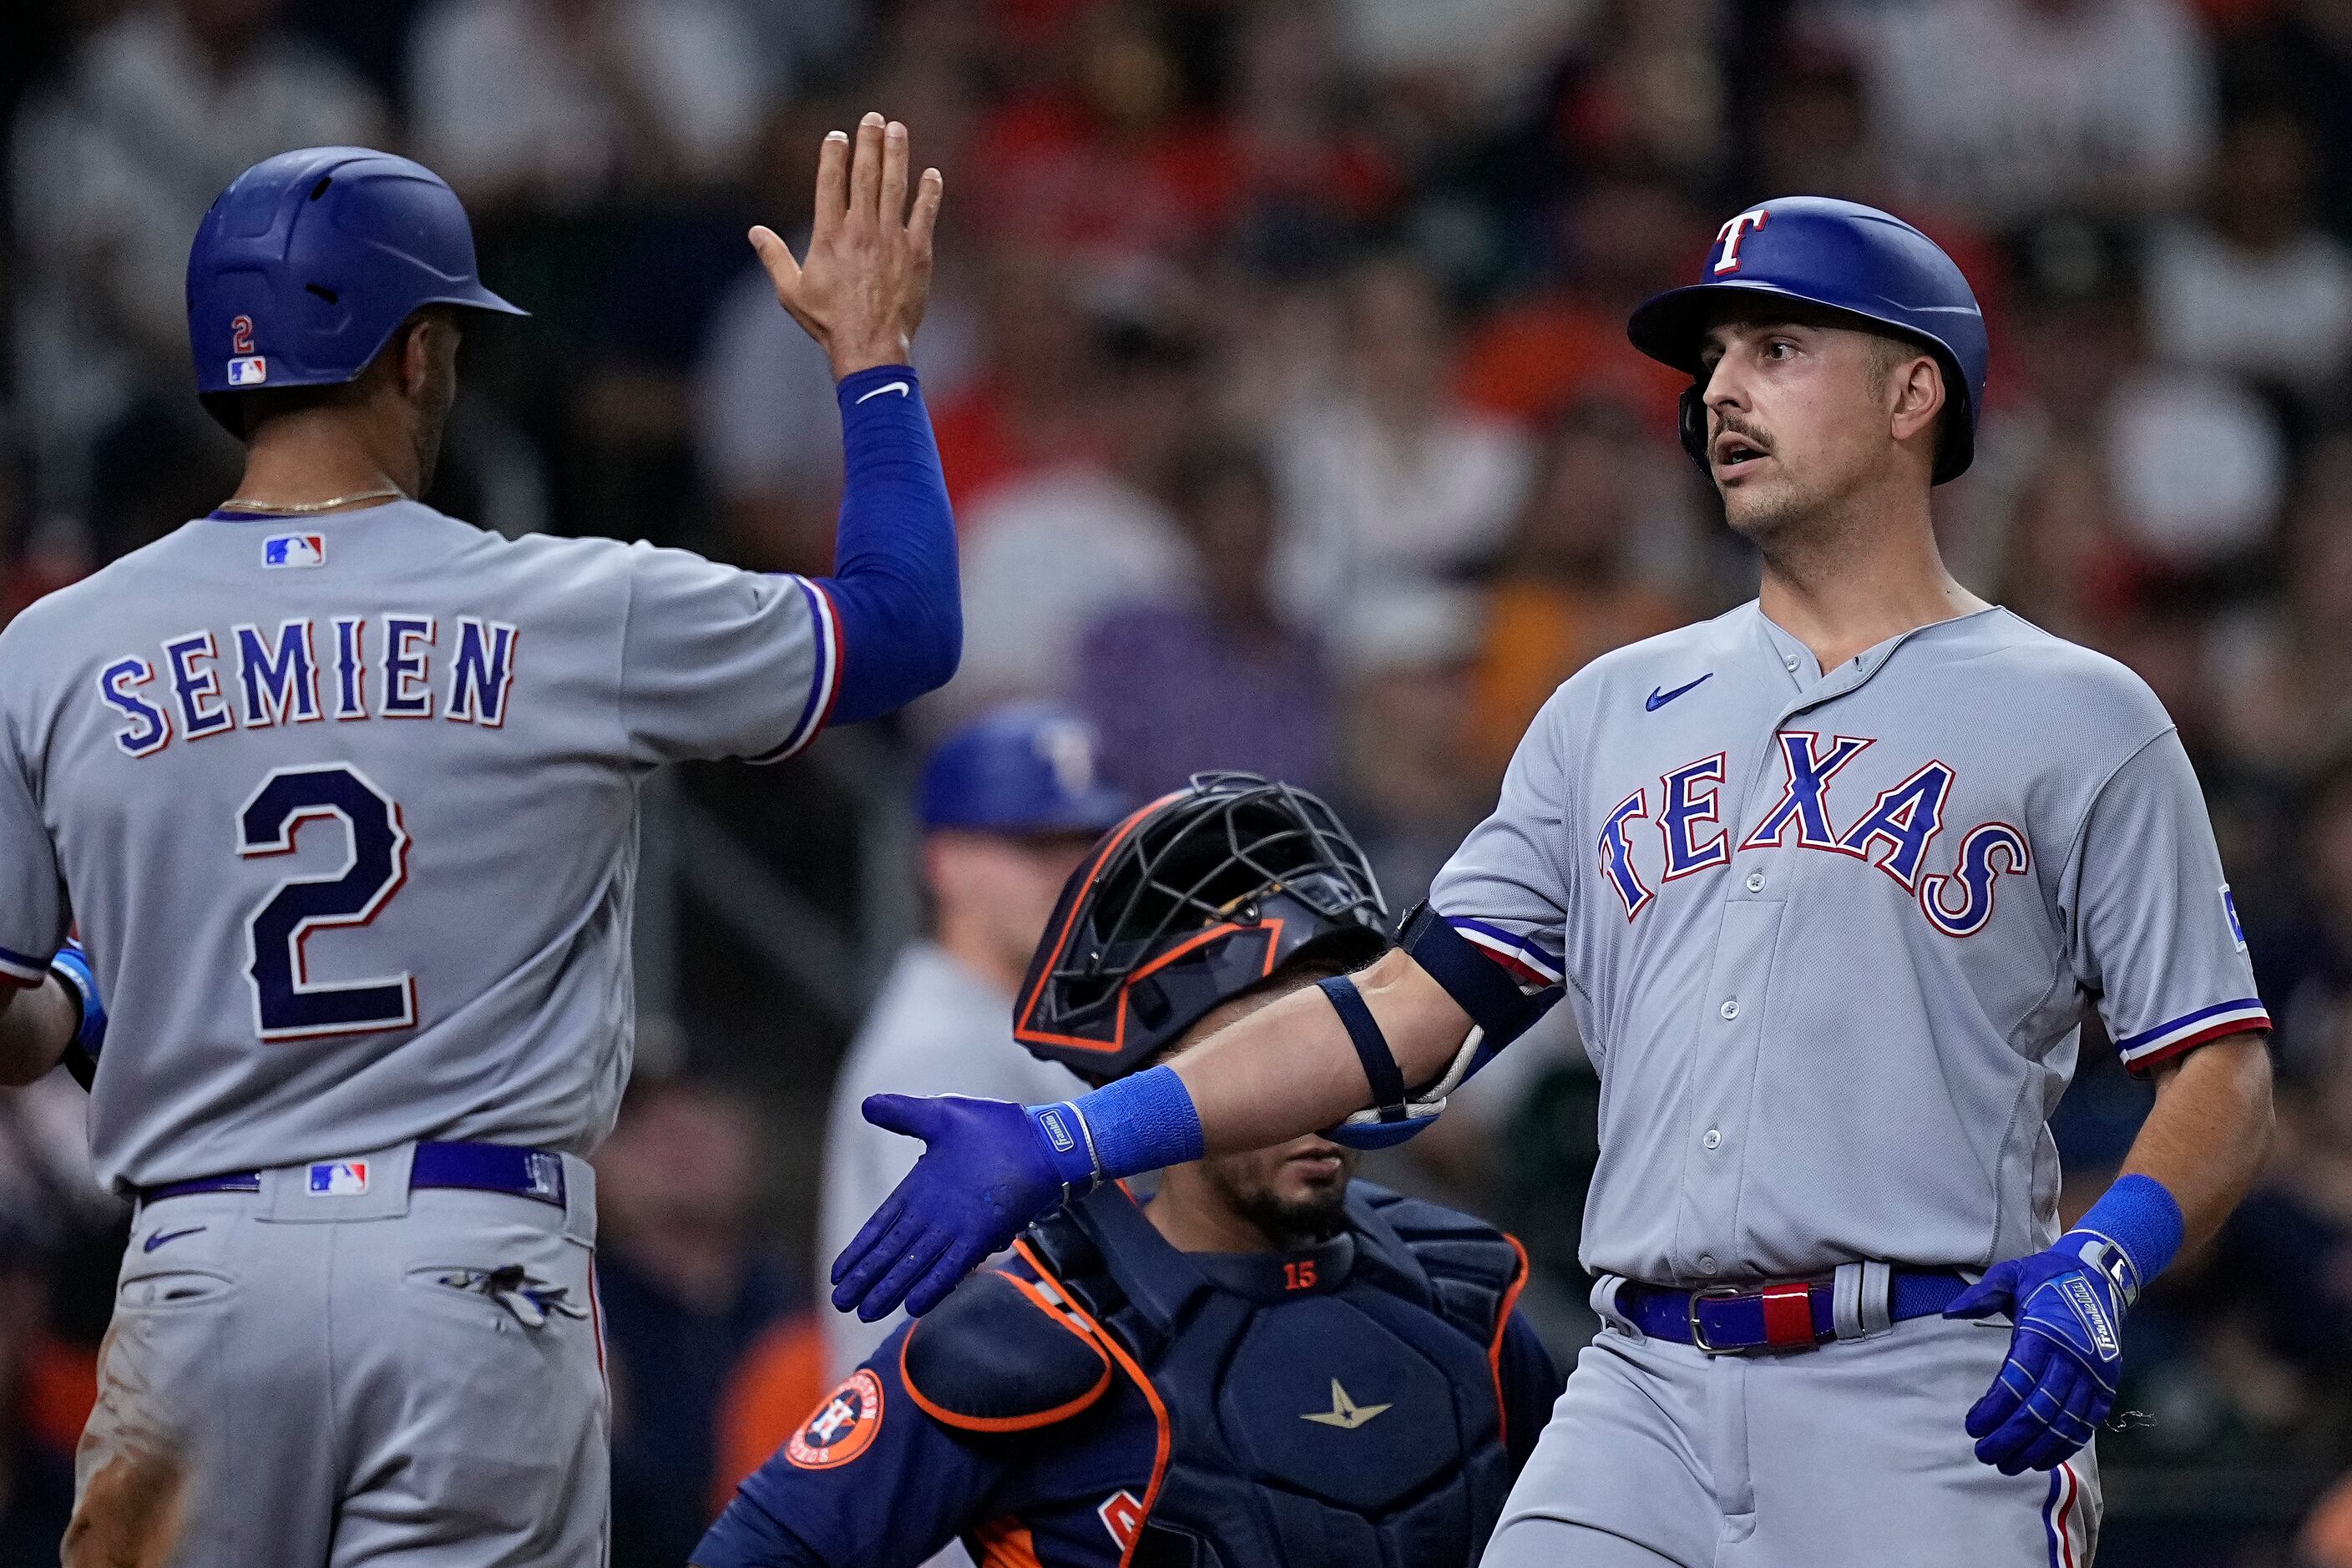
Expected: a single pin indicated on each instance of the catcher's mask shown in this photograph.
(1192, 899)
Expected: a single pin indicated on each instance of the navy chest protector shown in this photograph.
(1354, 1425)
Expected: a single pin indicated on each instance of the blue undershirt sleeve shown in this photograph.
(894, 585)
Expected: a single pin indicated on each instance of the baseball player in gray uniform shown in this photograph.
(343, 796)
(1009, 802)
(1831, 883)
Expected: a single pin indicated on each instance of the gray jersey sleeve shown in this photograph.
(1510, 887)
(720, 662)
(2154, 930)
(32, 894)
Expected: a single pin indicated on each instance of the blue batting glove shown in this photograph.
(2064, 1354)
(991, 1168)
(71, 966)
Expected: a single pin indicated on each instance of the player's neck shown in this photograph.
(1840, 588)
(315, 454)
(1192, 1219)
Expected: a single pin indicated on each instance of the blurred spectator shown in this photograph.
(1048, 553)
(1407, 653)
(2306, 956)
(35, 1475)
(2072, 570)
(1225, 683)
(1644, 90)
(1094, 152)
(2291, 704)
(2253, 288)
(552, 104)
(685, 1292)
(1008, 803)
(767, 435)
(1450, 63)
(2196, 466)
(1623, 239)
(1027, 402)
(2010, 109)
(113, 165)
(1391, 481)
(2297, 55)
(1572, 585)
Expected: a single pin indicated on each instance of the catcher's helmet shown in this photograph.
(1845, 258)
(1192, 899)
(307, 263)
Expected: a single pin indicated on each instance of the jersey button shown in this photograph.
(1755, 881)
(1707, 1263)
(1792, 663)
(1730, 1009)
(1713, 1138)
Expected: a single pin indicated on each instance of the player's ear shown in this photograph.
(1918, 388)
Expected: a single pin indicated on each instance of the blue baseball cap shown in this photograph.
(1850, 259)
(1025, 768)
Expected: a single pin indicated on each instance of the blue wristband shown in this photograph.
(1140, 1123)
(2141, 1219)
(71, 966)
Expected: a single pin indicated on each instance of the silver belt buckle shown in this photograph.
(1698, 1334)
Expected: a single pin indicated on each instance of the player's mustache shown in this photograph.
(1728, 423)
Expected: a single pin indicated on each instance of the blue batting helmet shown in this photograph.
(309, 262)
(1025, 768)
(1841, 256)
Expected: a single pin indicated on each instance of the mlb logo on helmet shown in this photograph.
(294, 549)
(339, 1179)
(248, 370)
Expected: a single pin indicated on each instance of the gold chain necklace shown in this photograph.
(291, 508)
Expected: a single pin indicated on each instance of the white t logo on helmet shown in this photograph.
(1731, 234)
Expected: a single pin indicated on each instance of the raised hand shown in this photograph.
(988, 1171)
(861, 289)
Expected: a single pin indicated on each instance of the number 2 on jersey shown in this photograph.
(287, 1003)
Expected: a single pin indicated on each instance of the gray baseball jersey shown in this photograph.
(1831, 935)
(345, 809)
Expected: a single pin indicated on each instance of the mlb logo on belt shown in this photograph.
(339, 1179)
(294, 549)
(248, 370)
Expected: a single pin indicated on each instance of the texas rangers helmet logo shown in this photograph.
(842, 1427)
(1730, 236)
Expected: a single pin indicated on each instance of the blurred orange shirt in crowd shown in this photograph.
(773, 1391)
(1539, 633)
(1530, 360)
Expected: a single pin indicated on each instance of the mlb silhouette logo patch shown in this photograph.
(294, 549)
(248, 370)
(339, 1179)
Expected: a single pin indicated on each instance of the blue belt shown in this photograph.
(1795, 1314)
(479, 1167)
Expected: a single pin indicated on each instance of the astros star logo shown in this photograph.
(1345, 1413)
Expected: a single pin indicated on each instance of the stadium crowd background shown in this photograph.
(1277, 359)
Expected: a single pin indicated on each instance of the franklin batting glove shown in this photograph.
(2068, 1303)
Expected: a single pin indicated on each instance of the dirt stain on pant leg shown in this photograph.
(133, 1474)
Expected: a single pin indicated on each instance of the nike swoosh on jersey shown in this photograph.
(1660, 699)
(900, 387)
(161, 1236)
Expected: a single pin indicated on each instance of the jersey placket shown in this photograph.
(1762, 887)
